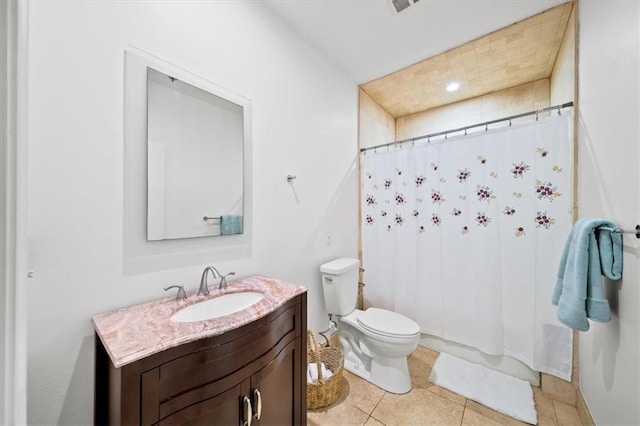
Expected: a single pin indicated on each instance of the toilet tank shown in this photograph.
(340, 285)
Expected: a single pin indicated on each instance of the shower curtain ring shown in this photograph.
(486, 127)
(509, 122)
(559, 110)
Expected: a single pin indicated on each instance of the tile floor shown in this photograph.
(362, 403)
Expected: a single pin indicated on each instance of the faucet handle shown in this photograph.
(182, 295)
(223, 281)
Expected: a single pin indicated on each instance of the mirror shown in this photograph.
(195, 143)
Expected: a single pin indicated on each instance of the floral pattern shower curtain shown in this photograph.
(464, 236)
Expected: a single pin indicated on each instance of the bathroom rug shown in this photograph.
(503, 393)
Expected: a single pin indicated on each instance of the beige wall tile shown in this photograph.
(375, 125)
(439, 119)
(523, 52)
(524, 98)
(562, 76)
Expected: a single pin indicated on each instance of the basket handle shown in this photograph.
(313, 348)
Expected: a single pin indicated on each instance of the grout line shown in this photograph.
(378, 403)
(377, 420)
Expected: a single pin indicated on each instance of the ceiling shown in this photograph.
(368, 39)
(515, 55)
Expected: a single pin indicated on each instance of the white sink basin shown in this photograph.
(217, 307)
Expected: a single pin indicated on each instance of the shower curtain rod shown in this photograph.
(559, 108)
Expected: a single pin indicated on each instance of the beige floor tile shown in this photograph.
(566, 414)
(583, 412)
(473, 418)
(425, 354)
(373, 422)
(544, 407)
(418, 407)
(337, 414)
(362, 403)
(446, 393)
(420, 363)
(558, 389)
(492, 414)
(360, 393)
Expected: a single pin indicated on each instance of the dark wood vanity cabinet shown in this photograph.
(257, 370)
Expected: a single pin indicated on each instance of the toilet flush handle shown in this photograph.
(328, 277)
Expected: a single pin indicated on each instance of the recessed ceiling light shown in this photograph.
(453, 86)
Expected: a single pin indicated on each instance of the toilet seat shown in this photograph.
(388, 323)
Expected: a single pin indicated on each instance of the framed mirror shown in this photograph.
(195, 142)
(142, 254)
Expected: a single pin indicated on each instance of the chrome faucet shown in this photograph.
(204, 290)
(223, 281)
(182, 295)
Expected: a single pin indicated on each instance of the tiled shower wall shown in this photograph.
(527, 97)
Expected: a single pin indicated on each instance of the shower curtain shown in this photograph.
(464, 236)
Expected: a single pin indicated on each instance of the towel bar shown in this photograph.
(206, 218)
(623, 231)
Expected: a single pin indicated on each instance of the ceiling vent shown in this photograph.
(401, 5)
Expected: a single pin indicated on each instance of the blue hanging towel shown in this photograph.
(588, 254)
(231, 224)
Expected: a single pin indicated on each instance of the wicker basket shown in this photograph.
(325, 391)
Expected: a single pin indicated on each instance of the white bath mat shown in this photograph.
(503, 393)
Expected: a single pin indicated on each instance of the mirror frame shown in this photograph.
(140, 255)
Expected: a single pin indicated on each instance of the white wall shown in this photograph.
(304, 123)
(609, 186)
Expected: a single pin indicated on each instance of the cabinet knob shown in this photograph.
(258, 402)
(248, 413)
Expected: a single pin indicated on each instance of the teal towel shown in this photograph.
(588, 254)
(230, 224)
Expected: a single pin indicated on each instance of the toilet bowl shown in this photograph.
(375, 342)
(379, 355)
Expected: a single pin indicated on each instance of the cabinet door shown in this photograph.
(280, 390)
(224, 409)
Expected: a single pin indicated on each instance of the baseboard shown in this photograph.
(583, 410)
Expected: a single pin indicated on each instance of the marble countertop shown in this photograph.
(135, 332)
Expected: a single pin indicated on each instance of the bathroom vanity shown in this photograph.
(247, 367)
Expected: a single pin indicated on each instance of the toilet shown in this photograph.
(375, 342)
